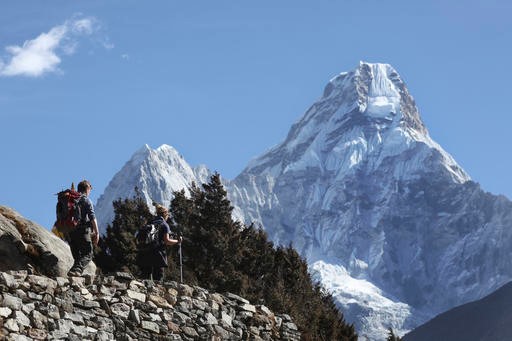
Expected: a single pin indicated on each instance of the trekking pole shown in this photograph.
(181, 264)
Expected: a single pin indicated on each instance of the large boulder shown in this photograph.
(25, 245)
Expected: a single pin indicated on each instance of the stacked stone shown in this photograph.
(119, 307)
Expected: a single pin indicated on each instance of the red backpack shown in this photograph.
(68, 210)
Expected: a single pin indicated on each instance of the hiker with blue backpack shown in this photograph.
(151, 241)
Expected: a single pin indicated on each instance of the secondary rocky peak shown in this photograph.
(156, 173)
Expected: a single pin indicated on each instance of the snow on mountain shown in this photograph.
(387, 220)
(156, 173)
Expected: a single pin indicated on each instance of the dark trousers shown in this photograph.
(81, 247)
(147, 271)
(152, 263)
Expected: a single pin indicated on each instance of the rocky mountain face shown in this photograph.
(489, 318)
(388, 221)
(118, 307)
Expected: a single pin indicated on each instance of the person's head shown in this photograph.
(84, 187)
(161, 211)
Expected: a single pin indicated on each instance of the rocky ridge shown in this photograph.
(120, 307)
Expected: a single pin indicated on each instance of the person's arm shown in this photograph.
(169, 241)
(92, 217)
(95, 233)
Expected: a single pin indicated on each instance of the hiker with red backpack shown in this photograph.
(151, 242)
(83, 230)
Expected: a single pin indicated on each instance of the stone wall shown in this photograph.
(119, 307)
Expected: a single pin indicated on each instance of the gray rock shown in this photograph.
(21, 318)
(11, 325)
(208, 319)
(200, 304)
(77, 282)
(21, 294)
(19, 275)
(53, 312)
(159, 301)
(76, 318)
(120, 309)
(106, 291)
(278, 321)
(226, 319)
(80, 330)
(136, 295)
(87, 304)
(42, 283)
(123, 276)
(185, 290)
(236, 298)
(12, 302)
(37, 334)
(244, 315)
(5, 312)
(8, 280)
(224, 334)
(62, 282)
(103, 336)
(24, 244)
(64, 325)
(151, 326)
(35, 297)
(191, 332)
(105, 324)
(134, 316)
(255, 333)
(290, 326)
(18, 337)
(180, 318)
(59, 335)
(155, 317)
(248, 307)
(265, 310)
(39, 321)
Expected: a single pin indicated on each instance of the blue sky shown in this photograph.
(84, 84)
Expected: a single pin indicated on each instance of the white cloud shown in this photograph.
(83, 26)
(42, 55)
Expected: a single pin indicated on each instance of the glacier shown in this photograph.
(388, 221)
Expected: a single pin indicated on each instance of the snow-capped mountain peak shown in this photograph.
(156, 173)
(365, 115)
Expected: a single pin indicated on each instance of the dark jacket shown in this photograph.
(156, 257)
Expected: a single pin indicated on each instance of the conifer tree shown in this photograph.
(117, 248)
(228, 256)
(223, 255)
